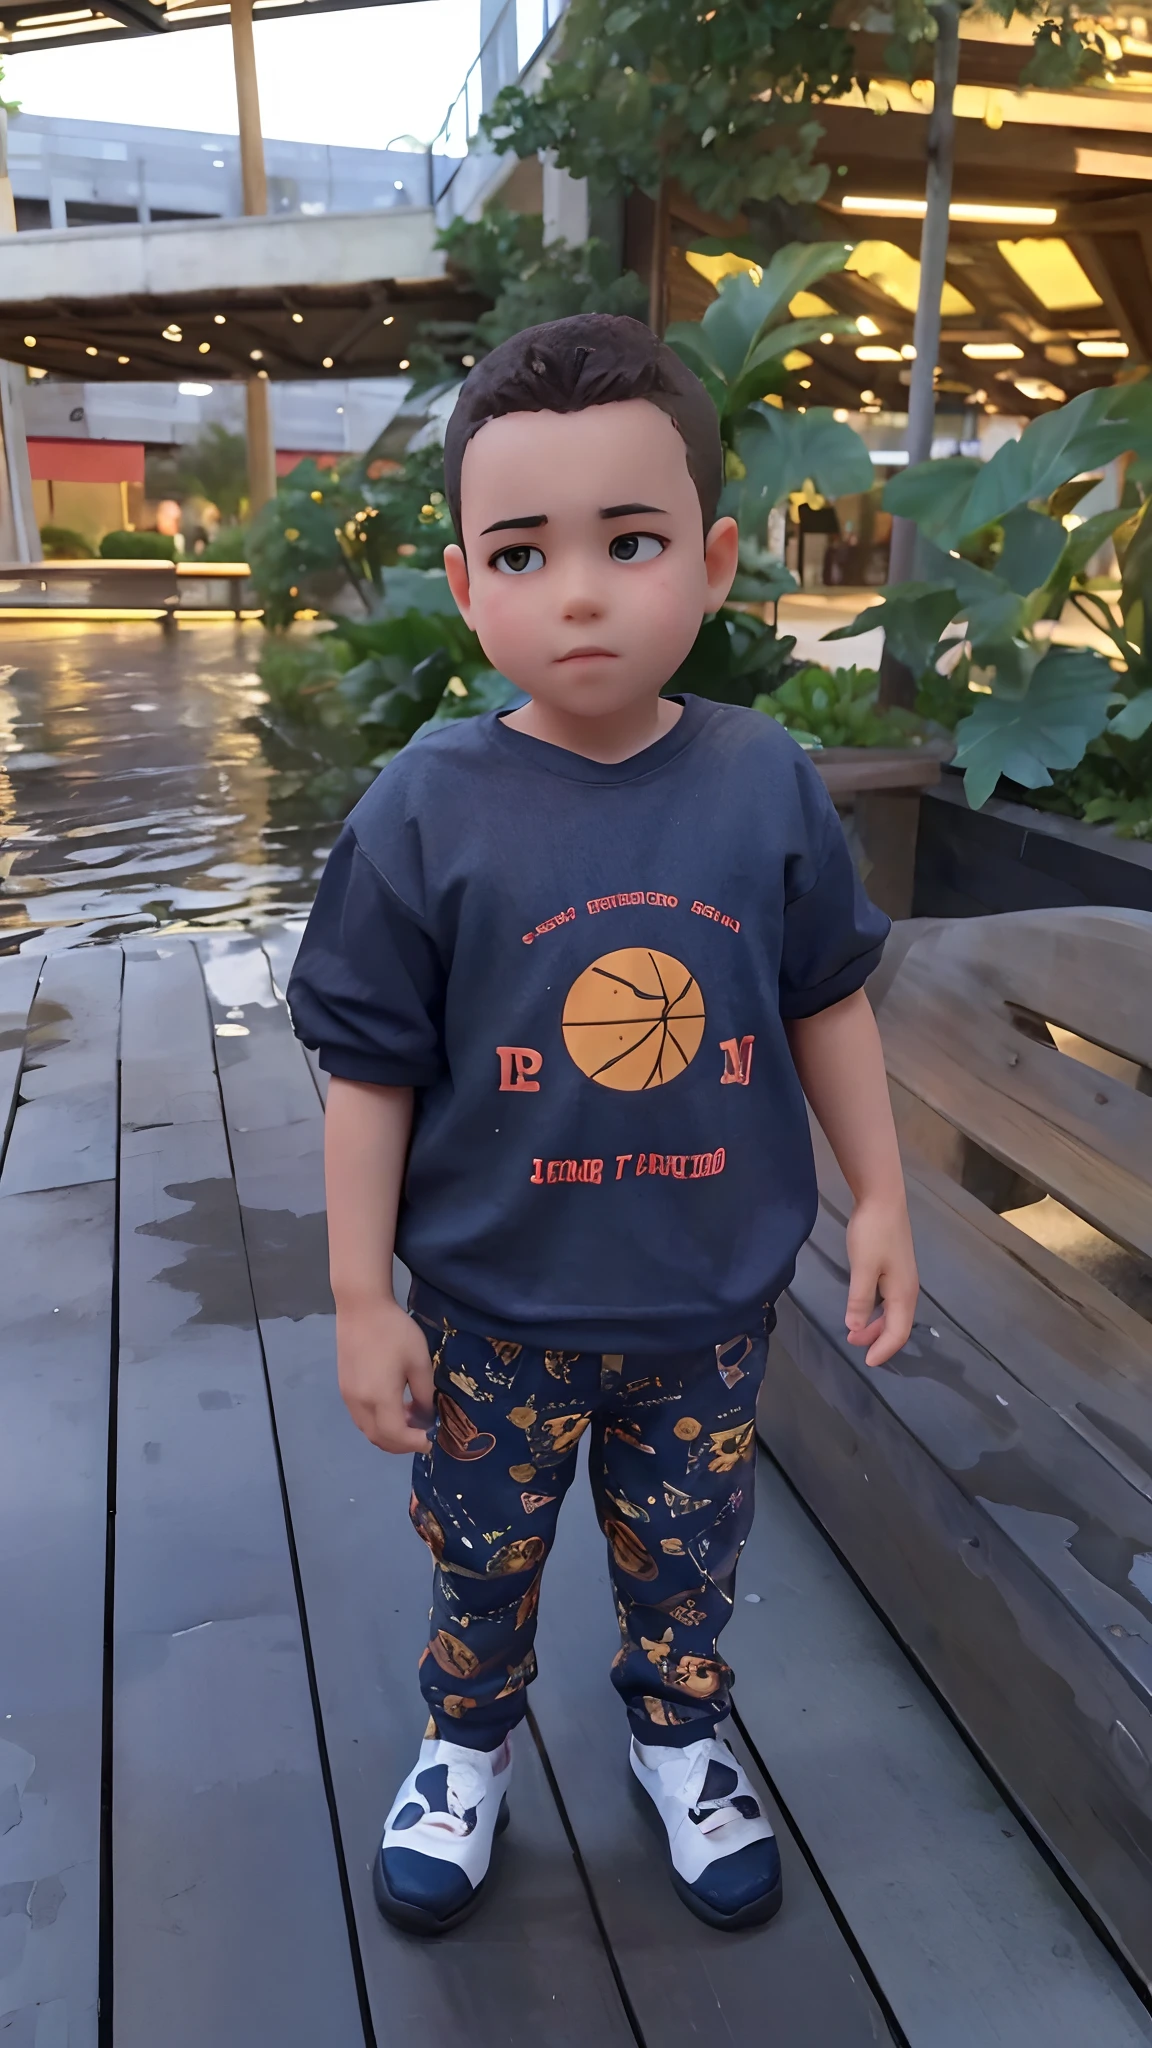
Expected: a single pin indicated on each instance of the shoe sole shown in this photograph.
(754, 1914)
(417, 1919)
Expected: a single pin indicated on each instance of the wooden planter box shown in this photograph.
(877, 792)
(1011, 857)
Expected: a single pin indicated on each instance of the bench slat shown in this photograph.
(229, 1918)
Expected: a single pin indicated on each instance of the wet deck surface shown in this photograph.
(208, 1695)
(134, 788)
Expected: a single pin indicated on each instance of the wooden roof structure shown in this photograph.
(1050, 262)
(44, 25)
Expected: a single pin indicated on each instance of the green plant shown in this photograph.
(229, 545)
(138, 547)
(725, 100)
(346, 524)
(1002, 563)
(837, 708)
(64, 544)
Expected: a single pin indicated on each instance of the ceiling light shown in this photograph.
(398, 184)
(327, 363)
(866, 325)
(32, 372)
(123, 359)
(194, 390)
(339, 408)
(29, 341)
(256, 355)
(219, 319)
(94, 351)
(264, 374)
(805, 383)
(1102, 348)
(979, 397)
(992, 351)
(217, 163)
(841, 414)
(1040, 389)
(388, 319)
(878, 355)
(825, 339)
(173, 333)
(868, 398)
(1051, 273)
(961, 209)
(204, 347)
(897, 274)
(299, 319)
(908, 352)
(469, 362)
(404, 363)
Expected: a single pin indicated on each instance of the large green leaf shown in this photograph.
(782, 451)
(795, 269)
(1134, 720)
(912, 617)
(764, 360)
(935, 495)
(1033, 544)
(1047, 726)
(740, 316)
(1088, 432)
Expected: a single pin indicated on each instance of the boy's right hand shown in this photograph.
(380, 1351)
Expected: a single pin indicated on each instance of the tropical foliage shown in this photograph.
(725, 100)
(1004, 553)
(838, 708)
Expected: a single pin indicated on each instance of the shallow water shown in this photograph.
(132, 794)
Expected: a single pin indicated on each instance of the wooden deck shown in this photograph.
(211, 1606)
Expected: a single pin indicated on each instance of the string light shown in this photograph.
(29, 341)
(299, 319)
(204, 347)
(219, 319)
(327, 364)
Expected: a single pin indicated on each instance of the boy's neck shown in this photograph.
(614, 737)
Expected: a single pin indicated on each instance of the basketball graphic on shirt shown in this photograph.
(634, 1019)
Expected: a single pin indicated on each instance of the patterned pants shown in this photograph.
(672, 1449)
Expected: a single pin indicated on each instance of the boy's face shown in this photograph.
(585, 572)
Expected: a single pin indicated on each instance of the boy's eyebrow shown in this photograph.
(625, 511)
(530, 519)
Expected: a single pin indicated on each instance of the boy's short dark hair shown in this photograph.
(589, 359)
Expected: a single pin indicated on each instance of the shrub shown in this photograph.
(138, 547)
(230, 545)
(837, 708)
(64, 544)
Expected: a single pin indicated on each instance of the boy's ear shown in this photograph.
(456, 570)
(721, 560)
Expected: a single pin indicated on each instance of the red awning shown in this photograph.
(287, 458)
(76, 461)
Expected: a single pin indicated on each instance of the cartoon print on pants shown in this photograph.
(671, 1463)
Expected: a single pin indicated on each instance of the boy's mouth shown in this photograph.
(587, 654)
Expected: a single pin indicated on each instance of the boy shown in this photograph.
(572, 970)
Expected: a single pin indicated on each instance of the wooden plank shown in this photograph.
(1057, 1331)
(794, 1981)
(18, 979)
(1004, 1552)
(972, 1938)
(1085, 1140)
(530, 1967)
(56, 1258)
(281, 944)
(229, 1917)
(64, 1130)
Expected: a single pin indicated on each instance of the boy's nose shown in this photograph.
(581, 603)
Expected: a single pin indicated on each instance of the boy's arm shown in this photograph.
(379, 1349)
(840, 1061)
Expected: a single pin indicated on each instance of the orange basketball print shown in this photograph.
(634, 1019)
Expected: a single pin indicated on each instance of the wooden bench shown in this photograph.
(992, 1486)
(157, 590)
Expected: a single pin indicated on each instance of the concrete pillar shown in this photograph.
(254, 180)
(565, 206)
(19, 535)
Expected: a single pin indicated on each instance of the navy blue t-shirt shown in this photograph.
(584, 970)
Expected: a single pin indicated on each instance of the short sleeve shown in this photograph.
(833, 935)
(367, 989)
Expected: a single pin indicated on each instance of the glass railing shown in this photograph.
(515, 39)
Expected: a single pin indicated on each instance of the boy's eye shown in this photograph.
(518, 561)
(636, 547)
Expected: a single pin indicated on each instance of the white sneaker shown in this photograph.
(723, 1855)
(433, 1861)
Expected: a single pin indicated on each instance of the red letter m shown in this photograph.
(737, 1062)
(517, 1062)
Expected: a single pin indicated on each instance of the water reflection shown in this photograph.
(133, 794)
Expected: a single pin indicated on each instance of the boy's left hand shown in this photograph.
(883, 1265)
